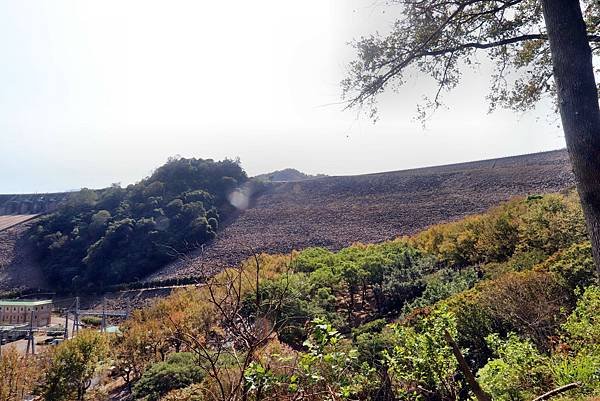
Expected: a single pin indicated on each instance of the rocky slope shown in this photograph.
(334, 212)
(18, 270)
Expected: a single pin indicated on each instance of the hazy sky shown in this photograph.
(96, 92)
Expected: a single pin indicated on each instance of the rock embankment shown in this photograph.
(334, 212)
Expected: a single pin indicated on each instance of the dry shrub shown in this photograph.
(532, 303)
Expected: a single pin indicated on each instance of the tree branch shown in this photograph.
(557, 391)
(420, 53)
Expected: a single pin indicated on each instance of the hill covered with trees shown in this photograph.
(285, 175)
(101, 237)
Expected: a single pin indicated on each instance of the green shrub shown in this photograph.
(72, 365)
(421, 362)
(519, 372)
(522, 228)
(574, 266)
(441, 285)
(91, 320)
(583, 325)
(180, 370)
(312, 259)
(581, 367)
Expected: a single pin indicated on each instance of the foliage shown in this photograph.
(519, 371)
(19, 375)
(581, 368)
(119, 234)
(540, 316)
(440, 38)
(516, 231)
(581, 362)
(369, 321)
(421, 361)
(573, 266)
(442, 284)
(72, 366)
(195, 392)
(371, 339)
(91, 320)
(583, 325)
(328, 370)
(180, 370)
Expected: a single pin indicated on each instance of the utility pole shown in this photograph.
(30, 340)
(66, 324)
(103, 327)
(76, 317)
(31, 335)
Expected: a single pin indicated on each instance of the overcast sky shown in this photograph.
(96, 92)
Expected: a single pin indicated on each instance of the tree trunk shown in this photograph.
(466, 370)
(578, 105)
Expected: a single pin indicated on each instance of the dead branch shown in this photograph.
(558, 390)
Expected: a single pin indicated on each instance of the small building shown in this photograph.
(17, 312)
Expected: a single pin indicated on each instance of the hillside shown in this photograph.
(18, 270)
(31, 203)
(334, 212)
(509, 296)
(115, 235)
(286, 175)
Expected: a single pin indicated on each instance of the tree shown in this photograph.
(72, 366)
(18, 374)
(540, 47)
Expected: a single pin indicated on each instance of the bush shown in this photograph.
(180, 370)
(534, 304)
(574, 266)
(192, 393)
(533, 227)
(91, 321)
(520, 372)
(583, 325)
(312, 259)
(421, 362)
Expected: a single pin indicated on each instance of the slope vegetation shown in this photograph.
(334, 212)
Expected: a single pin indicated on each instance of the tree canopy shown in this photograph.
(440, 38)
